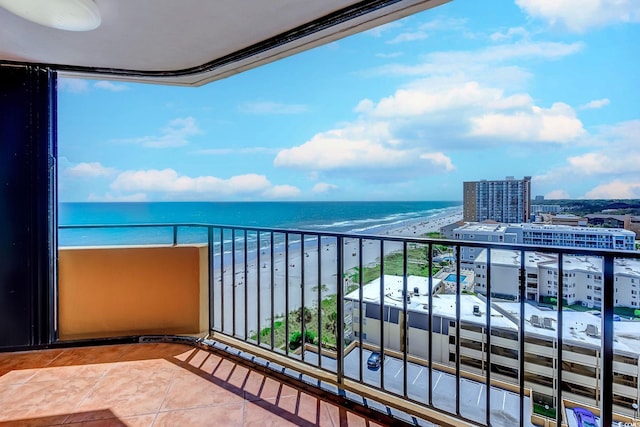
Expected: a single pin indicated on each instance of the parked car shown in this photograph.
(374, 360)
(584, 417)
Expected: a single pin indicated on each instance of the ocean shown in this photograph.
(345, 217)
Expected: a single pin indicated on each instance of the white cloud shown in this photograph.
(469, 109)
(557, 194)
(323, 187)
(596, 103)
(557, 124)
(112, 87)
(169, 181)
(381, 29)
(73, 85)
(234, 150)
(615, 190)
(509, 34)
(268, 107)
(445, 24)
(619, 152)
(605, 162)
(389, 55)
(488, 63)
(88, 170)
(410, 132)
(363, 149)
(581, 15)
(437, 95)
(612, 155)
(439, 159)
(175, 134)
(409, 37)
(138, 197)
(169, 184)
(281, 192)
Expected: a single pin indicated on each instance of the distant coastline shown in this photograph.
(410, 219)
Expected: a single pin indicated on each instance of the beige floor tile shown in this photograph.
(220, 415)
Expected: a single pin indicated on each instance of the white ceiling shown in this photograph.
(192, 42)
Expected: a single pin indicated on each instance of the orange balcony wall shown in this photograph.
(118, 291)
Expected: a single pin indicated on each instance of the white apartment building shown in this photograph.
(580, 351)
(541, 235)
(582, 278)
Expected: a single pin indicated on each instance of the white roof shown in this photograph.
(504, 315)
(574, 325)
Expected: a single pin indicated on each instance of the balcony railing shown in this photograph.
(319, 304)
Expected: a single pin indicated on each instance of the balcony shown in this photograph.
(154, 384)
(304, 308)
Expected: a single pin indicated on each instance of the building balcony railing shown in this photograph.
(318, 305)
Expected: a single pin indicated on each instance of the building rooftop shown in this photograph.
(505, 228)
(574, 327)
(443, 305)
(505, 315)
(628, 267)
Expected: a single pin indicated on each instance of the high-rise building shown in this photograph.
(507, 200)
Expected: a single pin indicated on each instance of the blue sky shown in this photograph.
(408, 111)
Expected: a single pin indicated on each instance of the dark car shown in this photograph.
(374, 360)
(584, 417)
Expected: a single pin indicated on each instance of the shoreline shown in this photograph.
(299, 276)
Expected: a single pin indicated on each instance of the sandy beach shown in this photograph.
(305, 271)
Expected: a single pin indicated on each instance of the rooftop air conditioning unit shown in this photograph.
(416, 291)
(535, 320)
(547, 322)
(592, 330)
(476, 310)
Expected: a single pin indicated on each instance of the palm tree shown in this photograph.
(332, 323)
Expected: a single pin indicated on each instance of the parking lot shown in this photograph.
(504, 404)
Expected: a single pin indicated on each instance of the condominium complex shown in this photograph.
(581, 278)
(539, 234)
(434, 328)
(503, 201)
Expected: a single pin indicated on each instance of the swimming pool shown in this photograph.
(452, 278)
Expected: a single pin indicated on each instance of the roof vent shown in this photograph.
(416, 291)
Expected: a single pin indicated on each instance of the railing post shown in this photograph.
(559, 340)
(233, 282)
(211, 260)
(458, 315)
(382, 355)
(246, 288)
(488, 348)
(430, 326)
(360, 313)
(286, 294)
(606, 369)
(405, 338)
(303, 323)
(319, 272)
(175, 236)
(522, 337)
(340, 309)
(258, 285)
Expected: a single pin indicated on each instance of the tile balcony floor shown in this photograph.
(153, 384)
